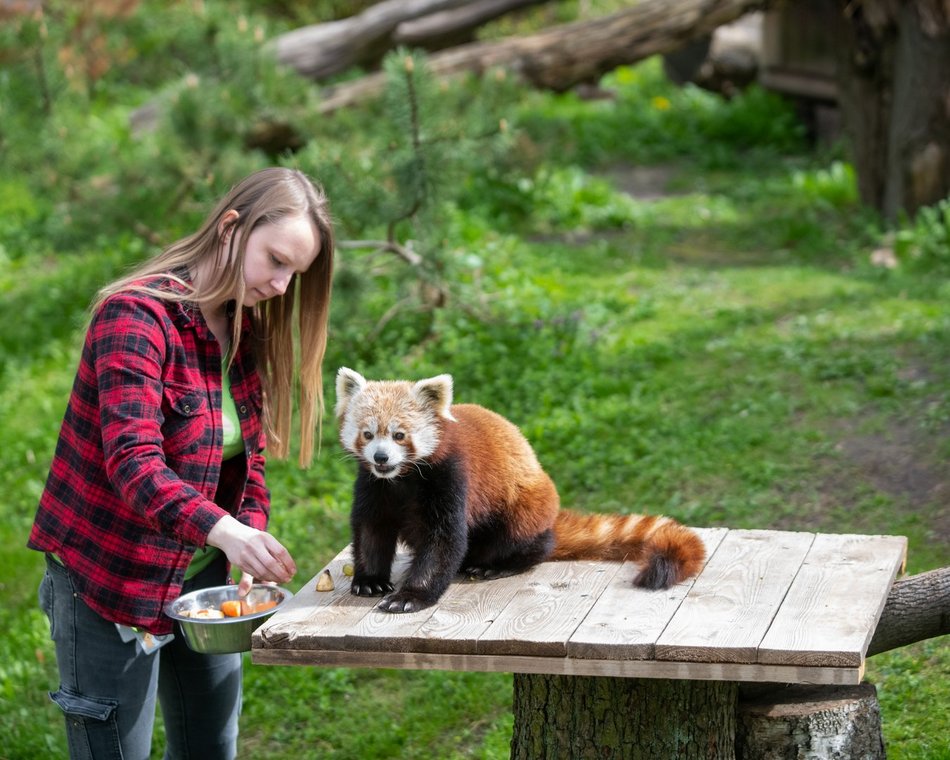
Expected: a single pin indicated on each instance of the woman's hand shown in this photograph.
(258, 554)
(244, 585)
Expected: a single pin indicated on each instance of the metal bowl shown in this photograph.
(225, 635)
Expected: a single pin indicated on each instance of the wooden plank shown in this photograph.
(466, 612)
(322, 619)
(387, 631)
(547, 609)
(835, 602)
(729, 609)
(292, 626)
(568, 666)
(626, 621)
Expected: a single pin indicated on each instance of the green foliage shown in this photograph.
(715, 349)
(835, 185)
(924, 243)
(648, 121)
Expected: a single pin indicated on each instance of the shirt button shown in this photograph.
(243, 409)
(187, 407)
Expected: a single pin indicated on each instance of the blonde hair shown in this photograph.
(264, 197)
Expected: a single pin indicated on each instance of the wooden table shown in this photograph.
(768, 606)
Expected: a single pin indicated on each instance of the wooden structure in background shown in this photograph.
(800, 44)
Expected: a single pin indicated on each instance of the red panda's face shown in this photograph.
(387, 445)
(390, 426)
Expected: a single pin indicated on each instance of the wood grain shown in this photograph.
(568, 666)
(832, 608)
(728, 610)
(626, 621)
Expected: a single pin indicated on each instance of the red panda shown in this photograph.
(462, 488)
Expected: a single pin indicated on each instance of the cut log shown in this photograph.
(565, 56)
(809, 723)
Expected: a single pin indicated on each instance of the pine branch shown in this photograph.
(404, 252)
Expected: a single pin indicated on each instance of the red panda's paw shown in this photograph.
(405, 601)
(479, 573)
(369, 585)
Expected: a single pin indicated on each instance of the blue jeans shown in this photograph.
(108, 687)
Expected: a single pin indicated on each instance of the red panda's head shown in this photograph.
(391, 425)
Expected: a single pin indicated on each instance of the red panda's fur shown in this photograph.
(415, 447)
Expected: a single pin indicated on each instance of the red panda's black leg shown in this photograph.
(375, 529)
(495, 554)
(437, 534)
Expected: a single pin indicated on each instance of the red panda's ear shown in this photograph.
(348, 384)
(435, 393)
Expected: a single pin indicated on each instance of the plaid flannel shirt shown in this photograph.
(137, 480)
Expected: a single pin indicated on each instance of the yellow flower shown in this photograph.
(660, 103)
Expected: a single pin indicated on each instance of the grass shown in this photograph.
(721, 352)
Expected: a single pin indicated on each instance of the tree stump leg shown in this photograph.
(809, 723)
(579, 717)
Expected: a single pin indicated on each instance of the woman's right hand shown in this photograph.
(253, 551)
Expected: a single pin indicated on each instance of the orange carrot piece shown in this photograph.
(231, 608)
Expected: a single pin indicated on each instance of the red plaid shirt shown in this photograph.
(137, 480)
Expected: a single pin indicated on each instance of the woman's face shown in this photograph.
(275, 253)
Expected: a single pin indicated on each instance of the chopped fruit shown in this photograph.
(232, 608)
(325, 582)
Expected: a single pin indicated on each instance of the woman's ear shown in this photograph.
(227, 223)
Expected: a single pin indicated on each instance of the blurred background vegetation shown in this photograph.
(674, 294)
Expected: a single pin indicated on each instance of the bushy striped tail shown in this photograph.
(669, 552)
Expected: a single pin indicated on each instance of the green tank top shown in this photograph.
(233, 445)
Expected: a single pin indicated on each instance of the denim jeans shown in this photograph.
(108, 687)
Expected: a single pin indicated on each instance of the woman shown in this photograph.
(157, 484)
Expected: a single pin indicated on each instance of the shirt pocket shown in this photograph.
(187, 418)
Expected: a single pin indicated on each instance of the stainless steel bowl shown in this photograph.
(225, 635)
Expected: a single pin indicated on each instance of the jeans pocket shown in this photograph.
(45, 594)
(91, 727)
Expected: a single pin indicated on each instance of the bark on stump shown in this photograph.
(809, 723)
(633, 718)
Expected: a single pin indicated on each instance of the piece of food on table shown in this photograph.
(325, 582)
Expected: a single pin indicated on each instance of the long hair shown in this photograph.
(264, 197)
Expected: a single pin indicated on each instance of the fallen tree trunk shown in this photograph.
(917, 608)
(456, 26)
(322, 50)
(562, 57)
